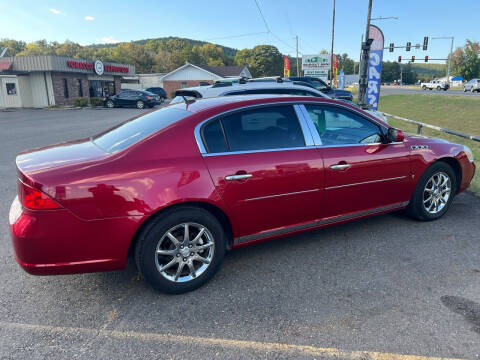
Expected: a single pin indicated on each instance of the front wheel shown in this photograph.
(439, 88)
(424, 87)
(110, 104)
(464, 89)
(140, 104)
(471, 89)
(434, 193)
(181, 250)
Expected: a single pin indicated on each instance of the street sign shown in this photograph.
(312, 62)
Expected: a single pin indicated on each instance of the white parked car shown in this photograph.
(472, 85)
(226, 88)
(435, 85)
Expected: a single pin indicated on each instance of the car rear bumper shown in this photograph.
(53, 242)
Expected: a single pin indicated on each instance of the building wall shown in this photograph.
(118, 84)
(42, 90)
(171, 85)
(191, 73)
(72, 85)
(25, 91)
(9, 101)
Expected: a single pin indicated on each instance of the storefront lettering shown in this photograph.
(89, 66)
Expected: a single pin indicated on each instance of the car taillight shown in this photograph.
(149, 98)
(34, 199)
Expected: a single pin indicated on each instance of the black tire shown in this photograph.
(140, 104)
(415, 208)
(471, 89)
(146, 247)
(439, 88)
(110, 104)
(464, 90)
(424, 87)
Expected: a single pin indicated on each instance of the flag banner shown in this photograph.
(374, 67)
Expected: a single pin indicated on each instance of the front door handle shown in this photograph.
(237, 177)
(340, 166)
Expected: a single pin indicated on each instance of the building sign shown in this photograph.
(96, 66)
(286, 66)
(312, 62)
(319, 73)
(374, 67)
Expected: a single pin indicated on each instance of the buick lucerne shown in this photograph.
(179, 186)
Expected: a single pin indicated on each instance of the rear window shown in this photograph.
(132, 131)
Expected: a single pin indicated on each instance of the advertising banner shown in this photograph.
(315, 62)
(375, 67)
(286, 66)
(341, 80)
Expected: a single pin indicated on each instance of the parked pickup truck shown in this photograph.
(435, 84)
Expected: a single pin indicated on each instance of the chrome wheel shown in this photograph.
(140, 105)
(110, 104)
(437, 193)
(184, 252)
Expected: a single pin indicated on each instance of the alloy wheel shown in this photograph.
(437, 192)
(184, 252)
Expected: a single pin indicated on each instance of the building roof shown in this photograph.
(223, 71)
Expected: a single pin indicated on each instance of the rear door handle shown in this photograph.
(340, 166)
(237, 177)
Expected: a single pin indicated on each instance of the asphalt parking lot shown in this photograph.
(380, 288)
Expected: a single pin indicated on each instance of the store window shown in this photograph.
(80, 89)
(11, 89)
(65, 88)
(184, 84)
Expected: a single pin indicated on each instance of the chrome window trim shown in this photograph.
(203, 150)
(256, 151)
(317, 138)
(313, 224)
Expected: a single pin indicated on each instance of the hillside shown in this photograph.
(227, 51)
(431, 70)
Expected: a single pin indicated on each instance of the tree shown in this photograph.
(40, 47)
(465, 61)
(262, 60)
(345, 63)
(68, 48)
(13, 46)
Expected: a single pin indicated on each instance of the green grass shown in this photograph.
(451, 112)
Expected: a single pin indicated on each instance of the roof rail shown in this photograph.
(277, 79)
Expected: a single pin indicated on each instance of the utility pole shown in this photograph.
(333, 38)
(298, 71)
(362, 81)
(449, 55)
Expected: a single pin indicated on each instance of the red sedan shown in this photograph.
(179, 186)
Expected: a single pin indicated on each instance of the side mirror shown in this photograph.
(395, 135)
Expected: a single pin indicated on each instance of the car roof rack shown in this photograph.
(277, 79)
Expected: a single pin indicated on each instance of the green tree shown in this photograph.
(40, 47)
(262, 60)
(68, 48)
(345, 63)
(13, 46)
(465, 61)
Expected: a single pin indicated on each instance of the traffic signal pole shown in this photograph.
(362, 81)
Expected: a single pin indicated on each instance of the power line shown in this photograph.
(263, 17)
(237, 36)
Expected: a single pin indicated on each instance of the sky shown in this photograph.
(239, 24)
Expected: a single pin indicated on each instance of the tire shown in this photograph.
(140, 104)
(439, 88)
(154, 238)
(471, 89)
(464, 89)
(424, 87)
(423, 189)
(110, 104)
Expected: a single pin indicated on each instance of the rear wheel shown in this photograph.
(424, 87)
(110, 104)
(439, 88)
(434, 193)
(181, 250)
(140, 104)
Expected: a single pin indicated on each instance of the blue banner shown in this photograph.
(341, 80)
(374, 67)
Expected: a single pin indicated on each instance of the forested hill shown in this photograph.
(228, 51)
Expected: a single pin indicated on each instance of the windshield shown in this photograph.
(319, 84)
(132, 131)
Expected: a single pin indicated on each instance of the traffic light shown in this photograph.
(425, 43)
(409, 45)
(426, 58)
(399, 59)
(413, 59)
(391, 47)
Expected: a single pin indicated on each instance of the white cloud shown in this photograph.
(89, 18)
(55, 11)
(109, 40)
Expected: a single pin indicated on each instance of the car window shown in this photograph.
(213, 137)
(319, 85)
(132, 131)
(275, 127)
(124, 94)
(337, 126)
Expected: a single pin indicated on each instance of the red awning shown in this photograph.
(5, 65)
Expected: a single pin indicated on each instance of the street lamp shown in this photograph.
(449, 55)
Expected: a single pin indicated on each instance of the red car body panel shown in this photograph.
(106, 198)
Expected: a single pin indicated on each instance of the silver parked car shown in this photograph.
(472, 85)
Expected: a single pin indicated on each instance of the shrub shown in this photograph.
(96, 101)
(80, 102)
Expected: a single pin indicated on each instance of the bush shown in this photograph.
(96, 101)
(172, 94)
(80, 102)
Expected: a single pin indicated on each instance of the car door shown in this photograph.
(362, 173)
(266, 169)
(121, 99)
